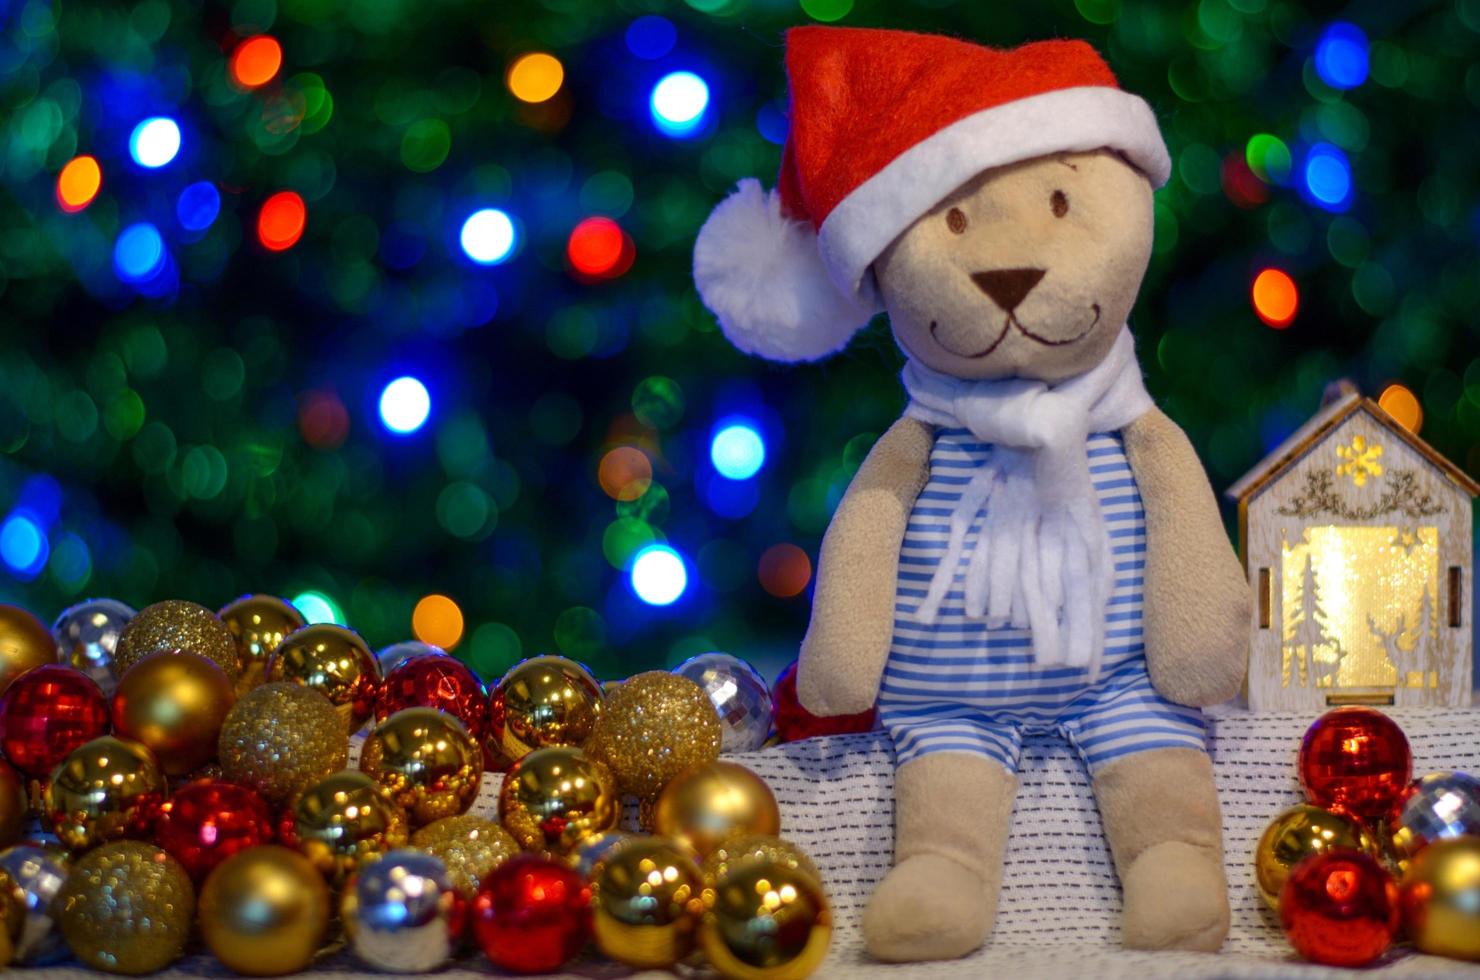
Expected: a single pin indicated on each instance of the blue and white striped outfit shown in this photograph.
(956, 685)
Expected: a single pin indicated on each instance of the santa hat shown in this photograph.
(884, 125)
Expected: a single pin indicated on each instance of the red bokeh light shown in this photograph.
(281, 220)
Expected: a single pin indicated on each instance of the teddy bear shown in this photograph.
(1033, 547)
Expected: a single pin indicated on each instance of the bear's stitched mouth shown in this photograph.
(1013, 321)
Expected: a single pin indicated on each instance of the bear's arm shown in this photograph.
(1197, 598)
(847, 641)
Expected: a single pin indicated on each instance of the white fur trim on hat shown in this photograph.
(761, 274)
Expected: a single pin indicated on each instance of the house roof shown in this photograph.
(1305, 438)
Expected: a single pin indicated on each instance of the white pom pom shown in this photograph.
(762, 276)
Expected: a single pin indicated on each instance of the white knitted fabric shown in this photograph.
(1060, 902)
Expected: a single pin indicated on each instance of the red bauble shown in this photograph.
(207, 821)
(1355, 759)
(532, 914)
(1340, 908)
(46, 713)
(435, 681)
(795, 722)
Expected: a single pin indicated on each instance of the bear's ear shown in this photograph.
(761, 275)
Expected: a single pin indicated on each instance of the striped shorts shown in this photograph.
(956, 686)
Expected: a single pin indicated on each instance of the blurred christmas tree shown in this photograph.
(303, 201)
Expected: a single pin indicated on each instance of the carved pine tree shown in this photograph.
(1310, 630)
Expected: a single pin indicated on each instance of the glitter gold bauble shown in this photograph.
(25, 642)
(174, 704)
(127, 907)
(554, 798)
(470, 846)
(646, 900)
(773, 849)
(427, 761)
(103, 790)
(264, 911)
(707, 805)
(1440, 897)
(766, 920)
(343, 821)
(653, 727)
(335, 662)
(1296, 834)
(279, 738)
(177, 625)
(13, 811)
(542, 702)
(258, 624)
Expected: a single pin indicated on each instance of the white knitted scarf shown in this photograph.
(1042, 558)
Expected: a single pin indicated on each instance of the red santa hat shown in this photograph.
(884, 125)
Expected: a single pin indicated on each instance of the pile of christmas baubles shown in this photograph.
(190, 773)
(1374, 855)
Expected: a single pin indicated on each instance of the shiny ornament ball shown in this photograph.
(46, 713)
(1355, 759)
(707, 805)
(14, 809)
(334, 661)
(391, 657)
(772, 849)
(646, 900)
(103, 790)
(767, 921)
(552, 799)
(1434, 807)
(1297, 833)
(588, 856)
(264, 912)
(279, 738)
(1440, 898)
(532, 914)
(435, 681)
(25, 643)
(206, 822)
(343, 822)
(1339, 908)
(740, 697)
(87, 635)
(653, 727)
(402, 914)
(126, 907)
(177, 625)
(427, 761)
(470, 846)
(174, 704)
(794, 722)
(258, 624)
(39, 872)
(540, 703)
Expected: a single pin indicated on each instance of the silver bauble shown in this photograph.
(87, 635)
(396, 654)
(1436, 806)
(40, 872)
(740, 695)
(402, 914)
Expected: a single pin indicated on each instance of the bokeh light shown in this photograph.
(1275, 297)
(1341, 55)
(281, 221)
(659, 576)
(154, 142)
(1402, 404)
(1326, 177)
(625, 473)
(78, 183)
(488, 236)
(138, 254)
(595, 246)
(535, 77)
(318, 607)
(737, 450)
(23, 545)
(678, 103)
(256, 61)
(784, 570)
(198, 206)
(651, 37)
(437, 620)
(1268, 157)
(405, 404)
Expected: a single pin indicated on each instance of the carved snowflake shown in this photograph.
(1407, 539)
(1361, 460)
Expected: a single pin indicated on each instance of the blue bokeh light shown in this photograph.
(1326, 177)
(198, 206)
(488, 236)
(659, 575)
(138, 254)
(1341, 55)
(405, 405)
(737, 450)
(651, 37)
(23, 544)
(154, 142)
(678, 103)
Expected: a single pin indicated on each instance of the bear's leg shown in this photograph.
(1160, 811)
(951, 816)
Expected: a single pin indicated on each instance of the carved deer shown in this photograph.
(1403, 661)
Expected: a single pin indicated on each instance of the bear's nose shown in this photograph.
(1007, 287)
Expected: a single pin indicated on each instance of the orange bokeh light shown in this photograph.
(625, 473)
(281, 220)
(78, 183)
(437, 620)
(536, 77)
(784, 570)
(1275, 298)
(256, 61)
(1402, 404)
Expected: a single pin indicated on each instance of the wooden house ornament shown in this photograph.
(1356, 536)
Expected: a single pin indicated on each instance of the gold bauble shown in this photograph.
(176, 625)
(773, 849)
(1297, 833)
(335, 662)
(542, 702)
(344, 821)
(767, 920)
(1440, 896)
(25, 642)
(554, 798)
(264, 911)
(646, 900)
(279, 738)
(470, 846)
(103, 790)
(427, 760)
(258, 623)
(708, 805)
(653, 727)
(14, 813)
(174, 704)
(126, 907)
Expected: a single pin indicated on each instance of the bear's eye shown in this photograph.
(956, 220)
(1059, 201)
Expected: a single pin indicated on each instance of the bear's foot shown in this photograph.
(1176, 897)
(928, 908)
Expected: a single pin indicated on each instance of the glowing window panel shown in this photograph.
(281, 221)
(23, 544)
(405, 404)
(138, 254)
(1275, 297)
(256, 61)
(488, 236)
(154, 142)
(737, 451)
(595, 246)
(78, 183)
(1326, 177)
(658, 575)
(317, 607)
(678, 103)
(198, 205)
(536, 77)
(1341, 56)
